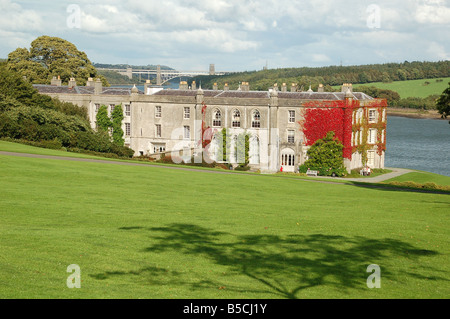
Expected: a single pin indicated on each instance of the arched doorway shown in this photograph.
(288, 160)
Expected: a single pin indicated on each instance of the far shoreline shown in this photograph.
(413, 113)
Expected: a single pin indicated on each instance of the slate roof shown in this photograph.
(81, 90)
(329, 96)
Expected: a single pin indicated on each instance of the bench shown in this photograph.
(311, 173)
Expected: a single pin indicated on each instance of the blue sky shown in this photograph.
(235, 35)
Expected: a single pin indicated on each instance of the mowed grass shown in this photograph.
(422, 177)
(23, 148)
(156, 232)
(411, 88)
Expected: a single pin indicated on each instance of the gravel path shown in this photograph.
(395, 172)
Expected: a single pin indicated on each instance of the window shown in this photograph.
(372, 136)
(97, 107)
(213, 151)
(158, 130)
(234, 149)
(372, 116)
(127, 109)
(291, 116)
(291, 136)
(111, 107)
(217, 118)
(256, 119)
(158, 111)
(236, 119)
(187, 132)
(159, 148)
(371, 158)
(287, 160)
(187, 112)
(127, 129)
(254, 150)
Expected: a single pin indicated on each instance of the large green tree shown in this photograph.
(443, 103)
(53, 56)
(325, 156)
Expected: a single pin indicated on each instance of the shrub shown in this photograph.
(242, 167)
(325, 156)
(52, 144)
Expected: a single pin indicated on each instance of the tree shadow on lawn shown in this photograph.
(394, 188)
(282, 266)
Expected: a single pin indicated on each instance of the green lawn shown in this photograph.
(23, 148)
(422, 177)
(411, 88)
(154, 232)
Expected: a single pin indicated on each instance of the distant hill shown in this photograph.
(115, 78)
(412, 88)
(331, 75)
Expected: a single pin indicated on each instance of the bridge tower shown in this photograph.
(212, 69)
(129, 72)
(158, 74)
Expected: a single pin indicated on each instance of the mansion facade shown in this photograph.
(173, 121)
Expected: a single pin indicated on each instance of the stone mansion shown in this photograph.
(281, 131)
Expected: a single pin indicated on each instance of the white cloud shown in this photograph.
(236, 34)
(14, 18)
(434, 12)
(320, 57)
(438, 51)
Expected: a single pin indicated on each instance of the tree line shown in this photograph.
(331, 75)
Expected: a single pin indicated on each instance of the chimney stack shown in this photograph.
(245, 86)
(146, 85)
(215, 86)
(193, 85)
(90, 82)
(346, 86)
(183, 85)
(98, 87)
(283, 87)
(320, 89)
(225, 87)
(275, 87)
(72, 83)
(56, 81)
(293, 87)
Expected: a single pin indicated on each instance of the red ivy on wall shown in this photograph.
(206, 130)
(320, 117)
